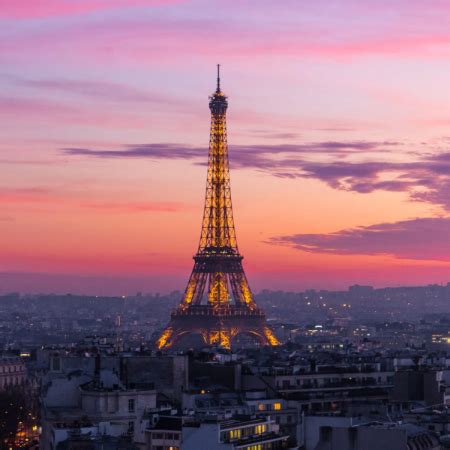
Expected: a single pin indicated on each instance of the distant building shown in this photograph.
(165, 434)
(360, 292)
(432, 387)
(102, 406)
(12, 372)
(250, 434)
(79, 441)
(376, 436)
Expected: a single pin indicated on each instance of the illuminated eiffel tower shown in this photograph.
(217, 303)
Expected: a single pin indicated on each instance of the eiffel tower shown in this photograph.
(217, 303)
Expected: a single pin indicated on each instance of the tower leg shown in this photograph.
(173, 333)
(264, 335)
(164, 340)
(270, 337)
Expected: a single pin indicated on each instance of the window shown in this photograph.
(277, 406)
(56, 363)
(235, 434)
(131, 405)
(261, 407)
(260, 429)
(131, 427)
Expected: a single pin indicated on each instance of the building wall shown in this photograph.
(361, 438)
(115, 406)
(309, 433)
(408, 386)
(64, 392)
(12, 372)
(204, 437)
(415, 385)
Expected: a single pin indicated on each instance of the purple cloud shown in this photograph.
(287, 164)
(418, 239)
(426, 179)
(151, 151)
(250, 154)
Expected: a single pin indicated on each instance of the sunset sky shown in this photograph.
(338, 129)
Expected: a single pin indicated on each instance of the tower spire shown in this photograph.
(218, 78)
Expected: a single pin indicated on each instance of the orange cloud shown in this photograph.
(38, 195)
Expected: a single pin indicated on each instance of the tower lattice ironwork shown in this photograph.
(217, 303)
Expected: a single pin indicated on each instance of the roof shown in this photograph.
(232, 423)
(168, 423)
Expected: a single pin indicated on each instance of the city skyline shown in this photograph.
(337, 139)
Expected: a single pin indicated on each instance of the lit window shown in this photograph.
(235, 434)
(262, 407)
(277, 406)
(260, 429)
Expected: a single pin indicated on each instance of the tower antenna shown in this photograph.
(218, 77)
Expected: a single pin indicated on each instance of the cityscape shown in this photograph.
(85, 371)
(130, 318)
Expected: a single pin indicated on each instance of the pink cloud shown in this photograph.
(140, 41)
(25, 9)
(136, 207)
(48, 112)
